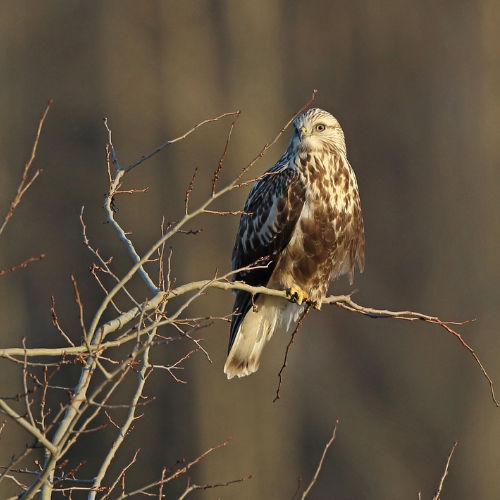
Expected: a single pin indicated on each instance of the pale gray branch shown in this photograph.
(34, 431)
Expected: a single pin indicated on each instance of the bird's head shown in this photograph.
(317, 130)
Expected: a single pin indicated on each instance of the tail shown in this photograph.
(252, 329)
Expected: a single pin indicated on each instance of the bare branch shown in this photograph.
(55, 321)
(188, 192)
(437, 496)
(104, 263)
(21, 421)
(180, 138)
(110, 151)
(123, 431)
(25, 183)
(79, 304)
(40, 481)
(27, 401)
(223, 156)
(22, 265)
(350, 305)
(175, 475)
(195, 487)
(227, 212)
(318, 469)
(117, 480)
(14, 461)
(292, 338)
(110, 211)
(343, 301)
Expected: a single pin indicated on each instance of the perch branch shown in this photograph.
(343, 301)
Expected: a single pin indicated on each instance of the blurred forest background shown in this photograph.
(415, 86)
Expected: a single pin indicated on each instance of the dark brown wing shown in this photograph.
(272, 210)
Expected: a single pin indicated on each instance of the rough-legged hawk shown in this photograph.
(303, 221)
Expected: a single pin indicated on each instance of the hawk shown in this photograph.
(302, 224)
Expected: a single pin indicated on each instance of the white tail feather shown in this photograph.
(272, 314)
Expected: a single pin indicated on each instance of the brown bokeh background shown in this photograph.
(415, 87)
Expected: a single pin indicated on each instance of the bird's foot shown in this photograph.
(297, 295)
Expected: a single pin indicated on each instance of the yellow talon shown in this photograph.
(297, 295)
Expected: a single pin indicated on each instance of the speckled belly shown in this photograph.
(315, 253)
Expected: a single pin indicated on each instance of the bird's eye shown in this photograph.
(320, 127)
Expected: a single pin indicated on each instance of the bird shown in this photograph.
(301, 227)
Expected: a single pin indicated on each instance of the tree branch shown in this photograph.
(25, 184)
(437, 496)
(343, 301)
(320, 465)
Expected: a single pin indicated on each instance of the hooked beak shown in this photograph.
(303, 132)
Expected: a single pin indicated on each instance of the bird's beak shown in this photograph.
(303, 131)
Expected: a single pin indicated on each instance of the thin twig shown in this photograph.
(27, 401)
(318, 469)
(18, 419)
(292, 338)
(117, 480)
(437, 496)
(350, 305)
(223, 156)
(79, 304)
(266, 148)
(175, 475)
(194, 487)
(104, 263)
(55, 321)
(188, 192)
(110, 210)
(25, 184)
(180, 138)
(161, 264)
(22, 265)
(299, 487)
(15, 460)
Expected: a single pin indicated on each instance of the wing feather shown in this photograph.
(272, 210)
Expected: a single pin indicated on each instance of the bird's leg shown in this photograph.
(297, 295)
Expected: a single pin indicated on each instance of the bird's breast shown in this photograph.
(322, 242)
